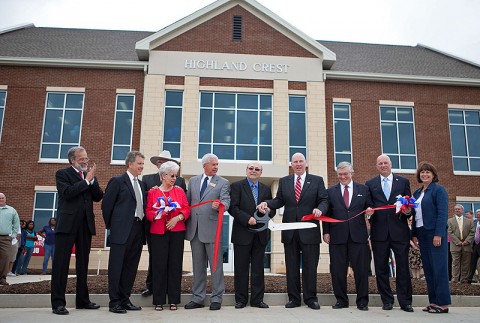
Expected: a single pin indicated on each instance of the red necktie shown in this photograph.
(81, 174)
(346, 196)
(298, 189)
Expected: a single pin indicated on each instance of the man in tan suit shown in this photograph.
(461, 231)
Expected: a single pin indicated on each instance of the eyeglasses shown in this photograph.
(171, 176)
(86, 159)
(254, 168)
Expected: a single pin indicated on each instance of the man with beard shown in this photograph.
(77, 189)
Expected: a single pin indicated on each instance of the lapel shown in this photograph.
(248, 191)
(127, 181)
(380, 186)
(395, 184)
(210, 186)
(339, 195)
(291, 185)
(306, 186)
(156, 179)
(355, 192)
(73, 172)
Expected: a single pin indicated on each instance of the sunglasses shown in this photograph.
(171, 176)
(255, 168)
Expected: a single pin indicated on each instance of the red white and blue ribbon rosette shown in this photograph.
(404, 202)
(163, 206)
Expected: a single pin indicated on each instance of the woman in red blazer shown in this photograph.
(167, 209)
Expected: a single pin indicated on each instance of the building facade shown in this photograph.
(237, 80)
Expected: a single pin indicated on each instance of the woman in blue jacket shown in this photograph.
(429, 230)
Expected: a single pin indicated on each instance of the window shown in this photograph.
(3, 99)
(237, 28)
(172, 130)
(470, 206)
(398, 136)
(464, 138)
(342, 133)
(62, 124)
(297, 126)
(123, 127)
(236, 126)
(45, 208)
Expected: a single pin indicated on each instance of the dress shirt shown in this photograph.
(390, 181)
(418, 211)
(302, 180)
(350, 191)
(203, 178)
(139, 188)
(9, 221)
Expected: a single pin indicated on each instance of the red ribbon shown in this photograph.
(218, 233)
(326, 218)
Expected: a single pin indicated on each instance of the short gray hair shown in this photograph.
(345, 164)
(168, 167)
(460, 205)
(478, 210)
(207, 158)
(72, 152)
(131, 156)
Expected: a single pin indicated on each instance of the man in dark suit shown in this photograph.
(123, 212)
(201, 230)
(348, 240)
(389, 231)
(77, 189)
(301, 194)
(153, 180)
(249, 247)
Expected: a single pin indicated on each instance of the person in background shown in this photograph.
(31, 237)
(474, 264)
(414, 259)
(167, 236)
(9, 224)
(461, 232)
(429, 232)
(21, 247)
(48, 232)
(150, 181)
(469, 214)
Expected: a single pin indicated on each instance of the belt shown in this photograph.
(137, 219)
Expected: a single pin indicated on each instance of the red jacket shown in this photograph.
(177, 194)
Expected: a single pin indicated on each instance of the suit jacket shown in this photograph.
(75, 200)
(468, 232)
(204, 217)
(386, 223)
(152, 180)
(314, 195)
(119, 206)
(356, 228)
(242, 207)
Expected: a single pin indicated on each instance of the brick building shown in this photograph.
(235, 79)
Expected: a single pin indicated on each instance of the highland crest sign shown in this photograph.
(235, 66)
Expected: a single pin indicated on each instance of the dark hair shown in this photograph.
(427, 166)
(28, 223)
(132, 156)
(50, 221)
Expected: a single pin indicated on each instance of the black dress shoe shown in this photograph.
(339, 305)
(387, 306)
(131, 307)
(215, 306)
(117, 309)
(407, 308)
(362, 307)
(89, 306)
(60, 310)
(292, 304)
(314, 305)
(191, 305)
(147, 292)
(239, 305)
(260, 305)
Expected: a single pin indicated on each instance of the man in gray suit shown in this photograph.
(201, 228)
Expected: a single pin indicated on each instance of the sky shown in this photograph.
(450, 26)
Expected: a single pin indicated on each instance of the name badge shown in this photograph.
(212, 184)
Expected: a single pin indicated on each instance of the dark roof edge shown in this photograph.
(399, 78)
(449, 55)
(74, 63)
(16, 27)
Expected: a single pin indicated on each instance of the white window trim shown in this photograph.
(306, 124)
(464, 125)
(116, 161)
(334, 134)
(181, 122)
(4, 109)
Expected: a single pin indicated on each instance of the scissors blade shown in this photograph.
(290, 226)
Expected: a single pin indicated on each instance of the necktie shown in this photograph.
(386, 188)
(138, 197)
(298, 189)
(460, 226)
(477, 234)
(346, 196)
(254, 192)
(81, 174)
(204, 186)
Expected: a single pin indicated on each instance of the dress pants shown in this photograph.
(474, 262)
(61, 262)
(201, 252)
(123, 265)
(167, 261)
(461, 264)
(381, 253)
(249, 257)
(310, 257)
(357, 255)
(435, 266)
(148, 236)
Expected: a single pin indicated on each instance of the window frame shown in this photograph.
(53, 210)
(3, 109)
(178, 158)
(396, 122)
(336, 162)
(304, 149)
(122, 161)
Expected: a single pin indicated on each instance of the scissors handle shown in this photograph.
(261, 221)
